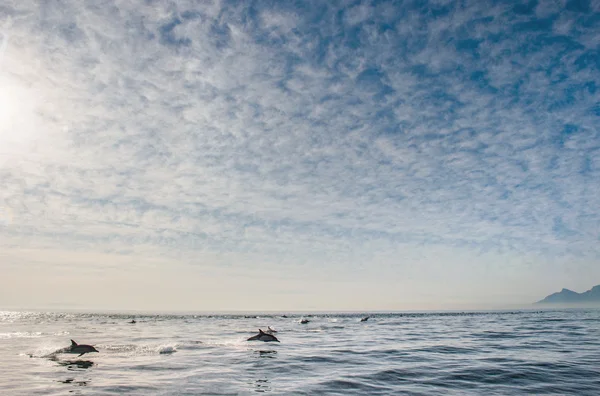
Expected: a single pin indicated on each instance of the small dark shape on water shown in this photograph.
(365, 319)
(72, 381)
(267, 354)
(304, 321)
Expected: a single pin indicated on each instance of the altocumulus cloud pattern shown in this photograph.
(318, 130)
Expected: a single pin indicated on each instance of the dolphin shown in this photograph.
(365, 319)
(270, 330)
(81, 349)
(304, 321)
(262, 336)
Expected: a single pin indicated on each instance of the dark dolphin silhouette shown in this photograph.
(262, 336)
(81, 349)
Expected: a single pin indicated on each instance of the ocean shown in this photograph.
(550, 352)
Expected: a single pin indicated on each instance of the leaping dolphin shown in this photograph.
(81, 349)
(262, 336)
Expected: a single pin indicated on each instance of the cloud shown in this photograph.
(268, 129)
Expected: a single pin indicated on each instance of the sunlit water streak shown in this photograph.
(523, 352)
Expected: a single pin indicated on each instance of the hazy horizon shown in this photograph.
(319, 155)
(535, 306)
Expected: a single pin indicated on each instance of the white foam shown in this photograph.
(136, 350)
(166, 350)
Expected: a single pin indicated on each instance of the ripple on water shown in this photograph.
(477, 353)
(343, 386)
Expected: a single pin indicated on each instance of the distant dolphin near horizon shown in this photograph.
(365, 319)
(81, 349)
(262, 336)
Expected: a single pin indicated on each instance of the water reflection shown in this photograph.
(75, 365)
(267, 354)
(72, 381)
(262, 386)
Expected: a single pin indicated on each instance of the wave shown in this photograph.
(445, 349)
(346, 385)
(495, 355)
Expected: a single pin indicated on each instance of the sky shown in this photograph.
(298, 155)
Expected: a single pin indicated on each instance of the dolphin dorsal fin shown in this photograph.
(260, 331)
(73, 343)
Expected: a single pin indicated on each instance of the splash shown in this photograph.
(139, 350)
(166, 350)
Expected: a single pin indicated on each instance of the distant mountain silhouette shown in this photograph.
(566, 296)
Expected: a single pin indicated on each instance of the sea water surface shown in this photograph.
(470, 353)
